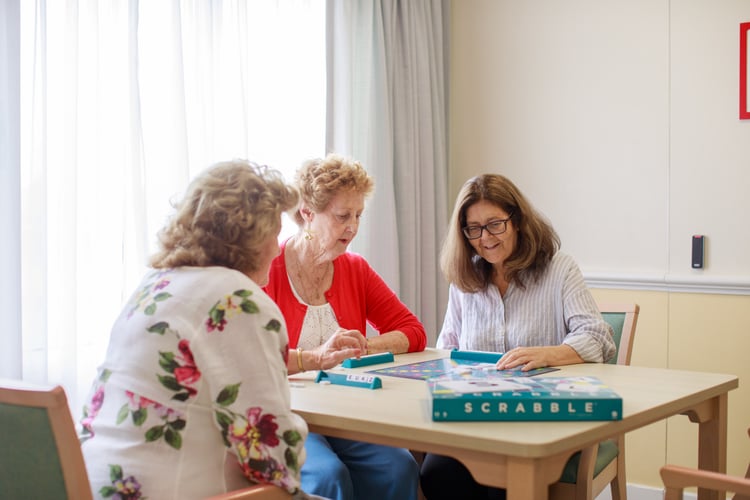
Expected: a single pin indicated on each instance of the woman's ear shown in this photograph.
(306, 213)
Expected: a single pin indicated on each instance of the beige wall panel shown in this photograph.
(688, 331)
(712, 333)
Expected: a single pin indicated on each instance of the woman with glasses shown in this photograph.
(325, 291)
(511, 291)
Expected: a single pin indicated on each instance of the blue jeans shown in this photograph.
(341, 469)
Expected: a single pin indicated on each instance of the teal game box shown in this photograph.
(481, 396)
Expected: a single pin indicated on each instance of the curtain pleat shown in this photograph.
(388, 109)
(10, 192)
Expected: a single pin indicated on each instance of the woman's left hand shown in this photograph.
(528, 358)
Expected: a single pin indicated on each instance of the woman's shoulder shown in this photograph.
(211, 274)
(209, 282)
(563, 259)
(352, 260)
(562, 266)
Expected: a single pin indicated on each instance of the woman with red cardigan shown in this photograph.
(326, 293)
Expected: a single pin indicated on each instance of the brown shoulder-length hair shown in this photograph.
(536, 244)
(225, 217)
(319, 180)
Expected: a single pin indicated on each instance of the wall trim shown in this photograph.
(670, 283)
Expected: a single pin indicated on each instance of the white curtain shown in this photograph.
(10, 198)
(121, 103)
(388, 108)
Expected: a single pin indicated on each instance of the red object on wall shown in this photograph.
(744, 112)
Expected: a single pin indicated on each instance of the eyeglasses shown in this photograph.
(494, 227)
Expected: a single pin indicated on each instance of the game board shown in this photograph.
(488, 396)
(437, 367)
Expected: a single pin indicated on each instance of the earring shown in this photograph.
(307, 216)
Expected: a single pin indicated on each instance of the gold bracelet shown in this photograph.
(299, 360)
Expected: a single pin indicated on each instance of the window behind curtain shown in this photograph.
(121, 104)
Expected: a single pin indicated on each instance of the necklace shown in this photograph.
(312, 281)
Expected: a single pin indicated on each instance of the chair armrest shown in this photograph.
(677, 478)
(255, 492)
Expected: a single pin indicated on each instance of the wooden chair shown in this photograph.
(677, 478)
(589, 471)
(256, 492)
(41, 454)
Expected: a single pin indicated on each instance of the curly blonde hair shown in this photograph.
(225, 217)
(321, 179)
(536, 244)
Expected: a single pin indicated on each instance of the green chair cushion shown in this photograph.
(29, 463)
(608, 449)
(616, 321)
(605, 454)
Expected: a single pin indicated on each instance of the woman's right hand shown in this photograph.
(343, 344)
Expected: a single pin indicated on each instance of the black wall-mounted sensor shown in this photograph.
(698, 243)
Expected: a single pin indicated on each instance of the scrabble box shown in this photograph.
(485, 395)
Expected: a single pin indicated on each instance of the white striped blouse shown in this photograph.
(557, 308)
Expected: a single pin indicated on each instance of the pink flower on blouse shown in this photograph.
(212, 325)
(251, 436)
(97, 399)
(164, 412)
(218, 313)
(141, 402)
(188, 373)
(265, 426)
(162, 284)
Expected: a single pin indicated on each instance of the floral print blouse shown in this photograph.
(195, 372)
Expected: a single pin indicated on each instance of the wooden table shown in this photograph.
(523, 457)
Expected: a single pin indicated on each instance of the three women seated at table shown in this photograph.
(197, 362)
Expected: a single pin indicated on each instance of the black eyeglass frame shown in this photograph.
(486, 227)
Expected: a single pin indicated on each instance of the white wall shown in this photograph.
(619, 119)
(710, 147)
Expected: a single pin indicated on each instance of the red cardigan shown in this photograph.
(358, 295)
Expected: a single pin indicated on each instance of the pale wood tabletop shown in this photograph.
(523, 457)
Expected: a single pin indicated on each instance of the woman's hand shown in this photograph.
(529, 358)
(343, 344)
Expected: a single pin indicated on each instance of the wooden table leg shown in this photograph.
(523, 480)
(711, 418)
(529, 478)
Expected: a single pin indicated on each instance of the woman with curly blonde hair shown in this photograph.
(327, 292)
(192, 399)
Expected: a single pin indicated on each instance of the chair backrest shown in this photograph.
(623, 319)
(41, 454)
(676, 478)
(256, 492)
